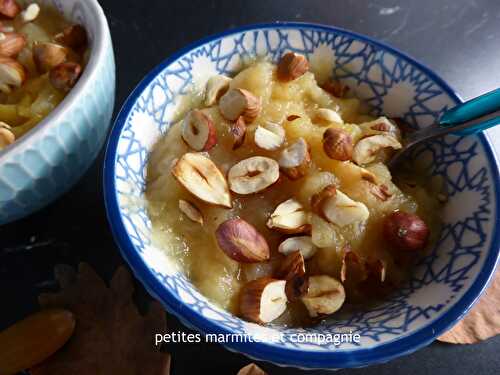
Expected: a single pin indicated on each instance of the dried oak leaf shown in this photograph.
(482, 321)
(111, 337)
(251, 369)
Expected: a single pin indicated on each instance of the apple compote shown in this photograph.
(273, 195)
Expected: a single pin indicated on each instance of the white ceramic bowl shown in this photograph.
(443, 285)
(52, 156)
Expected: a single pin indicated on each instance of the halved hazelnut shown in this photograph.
(269, 136)
(337, 144)
(342, 210)
(241, 241)
(328, 115)
(263, 300)
(201, 177)
(6, 135)
(381, 125)
(30, 13)
(292, 265)
(12, 73)
(73, 36)
(296, 287)
(324, 296)
(303, 244)
(12, 44)
(215, 88)
(405, 231)
(367, 148)
(65, 75)
(318, 199)
(289, 217)
(291, 66)
(251, 369)
(252, 175)
(198, 131)
(295, 160)
(192, 212)
(239, 102)
(336, 88)
(48, 55)
(9, 8)
(238, 130)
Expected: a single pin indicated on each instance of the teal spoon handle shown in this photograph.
(476, 108)
(465, 119)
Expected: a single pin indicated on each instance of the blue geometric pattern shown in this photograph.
(49, 159)
(392, 84)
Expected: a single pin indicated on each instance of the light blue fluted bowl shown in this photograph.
(51, 157)
(444, 284)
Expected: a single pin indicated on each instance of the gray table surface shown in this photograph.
(459, 39)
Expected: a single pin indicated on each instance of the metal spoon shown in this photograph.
(466, 118)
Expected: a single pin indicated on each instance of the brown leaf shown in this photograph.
(111, 337)
(482, 321)
(251, 369)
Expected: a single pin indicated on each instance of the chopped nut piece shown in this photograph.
(292, 265)
(73, 36)
(263, 300)
(191, 211)
(6, 135)
(48, 55)
(295, 160)
(318, 199)
(12, 74)
(328, 115)
(241, 241)
(289, 217)
(9, 8)
(367, 148)
(342, 210)
(292, 117)
(381, 192)
(198, 131)
(303, 244)
(64, 76)
(11, 44)
(30, 13)
(291, 66)
(337, 144)
(238, 131)
(269, 136)
(201, 177)
(324, 296)
(296, 287)
(216, 87)
(336, 88)
(239, 102)
(252, 175)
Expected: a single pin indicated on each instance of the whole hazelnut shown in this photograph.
(405, 231)
(337, 144)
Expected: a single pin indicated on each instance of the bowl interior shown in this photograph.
(442, 286)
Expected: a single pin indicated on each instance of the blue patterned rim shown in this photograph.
(263, 351)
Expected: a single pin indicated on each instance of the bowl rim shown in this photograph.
(98, 50)
(279, 355)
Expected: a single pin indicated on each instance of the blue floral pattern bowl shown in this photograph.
(52, 156)
(444, 284)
